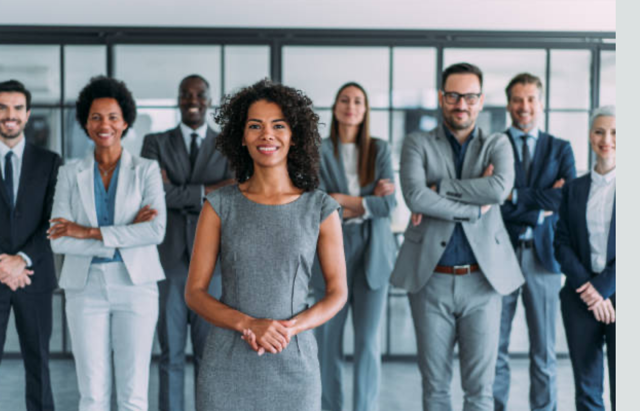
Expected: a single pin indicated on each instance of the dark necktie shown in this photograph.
(526, 156)
(8, 177)
(193, 150)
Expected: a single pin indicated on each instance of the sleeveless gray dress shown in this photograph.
(266, 255)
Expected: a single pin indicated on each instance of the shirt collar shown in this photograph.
(187, 131)
(599, 179)
(516, 133)
(452, 138)
(18, 149)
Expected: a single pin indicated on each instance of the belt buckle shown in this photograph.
(462, 267)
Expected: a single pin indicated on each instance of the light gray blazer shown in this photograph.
(427, 159)
(380, 251)
(139, 184)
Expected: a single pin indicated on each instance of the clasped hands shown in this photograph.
(416, 218)
(266, 335)
(64, 228)
(13, 271)
(603, 310)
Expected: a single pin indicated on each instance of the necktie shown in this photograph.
(526, 156)
(193, 150)
(8, 177)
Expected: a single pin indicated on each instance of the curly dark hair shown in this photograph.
(105, 87)
(303, 160)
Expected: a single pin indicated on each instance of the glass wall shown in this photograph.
(400, 77)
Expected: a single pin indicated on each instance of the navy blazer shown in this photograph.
(573, 250)
(553, 159)
(27, 231)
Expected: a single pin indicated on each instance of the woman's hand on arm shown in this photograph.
(384, 187)
(64, 228)
(352, 206)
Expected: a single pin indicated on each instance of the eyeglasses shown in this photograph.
(451, 97)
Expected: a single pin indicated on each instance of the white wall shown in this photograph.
(536, 15)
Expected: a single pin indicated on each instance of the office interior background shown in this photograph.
(396, 50)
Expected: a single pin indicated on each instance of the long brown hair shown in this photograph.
(366, 148)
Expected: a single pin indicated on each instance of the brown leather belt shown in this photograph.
(457, 269)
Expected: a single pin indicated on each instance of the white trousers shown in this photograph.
(112, 315)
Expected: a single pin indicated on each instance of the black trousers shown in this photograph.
(33, 317)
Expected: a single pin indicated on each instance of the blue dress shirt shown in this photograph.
(105, 206)
(531, 143)
(458, 251)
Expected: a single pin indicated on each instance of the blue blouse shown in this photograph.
(105, 206)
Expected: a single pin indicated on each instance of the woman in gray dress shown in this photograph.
(261, 354)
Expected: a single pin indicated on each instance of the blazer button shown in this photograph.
(444, 243)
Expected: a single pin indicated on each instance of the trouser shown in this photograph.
(586, 337)
(368, 306)
(111, 315)
(32, 312)
(463, 309)
(174, 321)
(540, 299)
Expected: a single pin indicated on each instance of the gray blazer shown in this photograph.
(427, 159)
(184, 194)
(381, 248)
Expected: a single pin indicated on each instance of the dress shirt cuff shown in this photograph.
(202, 195)
(514, 198)
(25, 258)
(541, 217)
(367, 213)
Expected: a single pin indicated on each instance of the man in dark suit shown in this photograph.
(191, 168)
(27, 276)
(543, 164)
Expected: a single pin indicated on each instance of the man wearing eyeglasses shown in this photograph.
(543, 164)
(456, 261)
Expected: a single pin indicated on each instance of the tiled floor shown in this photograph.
(400, 386)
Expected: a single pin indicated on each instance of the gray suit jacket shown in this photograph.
(380, 252)
(184, 194)
(427, 159)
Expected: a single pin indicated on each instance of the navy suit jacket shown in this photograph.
(27, 230)
(553, 159)
(572, 241)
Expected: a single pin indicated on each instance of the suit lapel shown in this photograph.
(611, 244)
(85, 184)
(27, 171)
(537, 163)
(446, 152)
(520, 180)
(179, 151)
(125, 179)
(582, 194)
(343, 185)
(204, 154)
(3, 189)
(471, 157)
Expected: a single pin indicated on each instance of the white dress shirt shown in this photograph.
(16, 162)
(599, 213)
(186, 135)
(349, 154)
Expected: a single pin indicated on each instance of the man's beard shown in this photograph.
(450, 120)
(15, 134)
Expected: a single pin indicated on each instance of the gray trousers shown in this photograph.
(368, 306)
(173, 322)
(463, 309)
(540, 296)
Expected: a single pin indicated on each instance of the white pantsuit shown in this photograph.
(112, 314)
(112, 307)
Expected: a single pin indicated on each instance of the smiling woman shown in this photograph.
(269, 133)
(111, 263)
